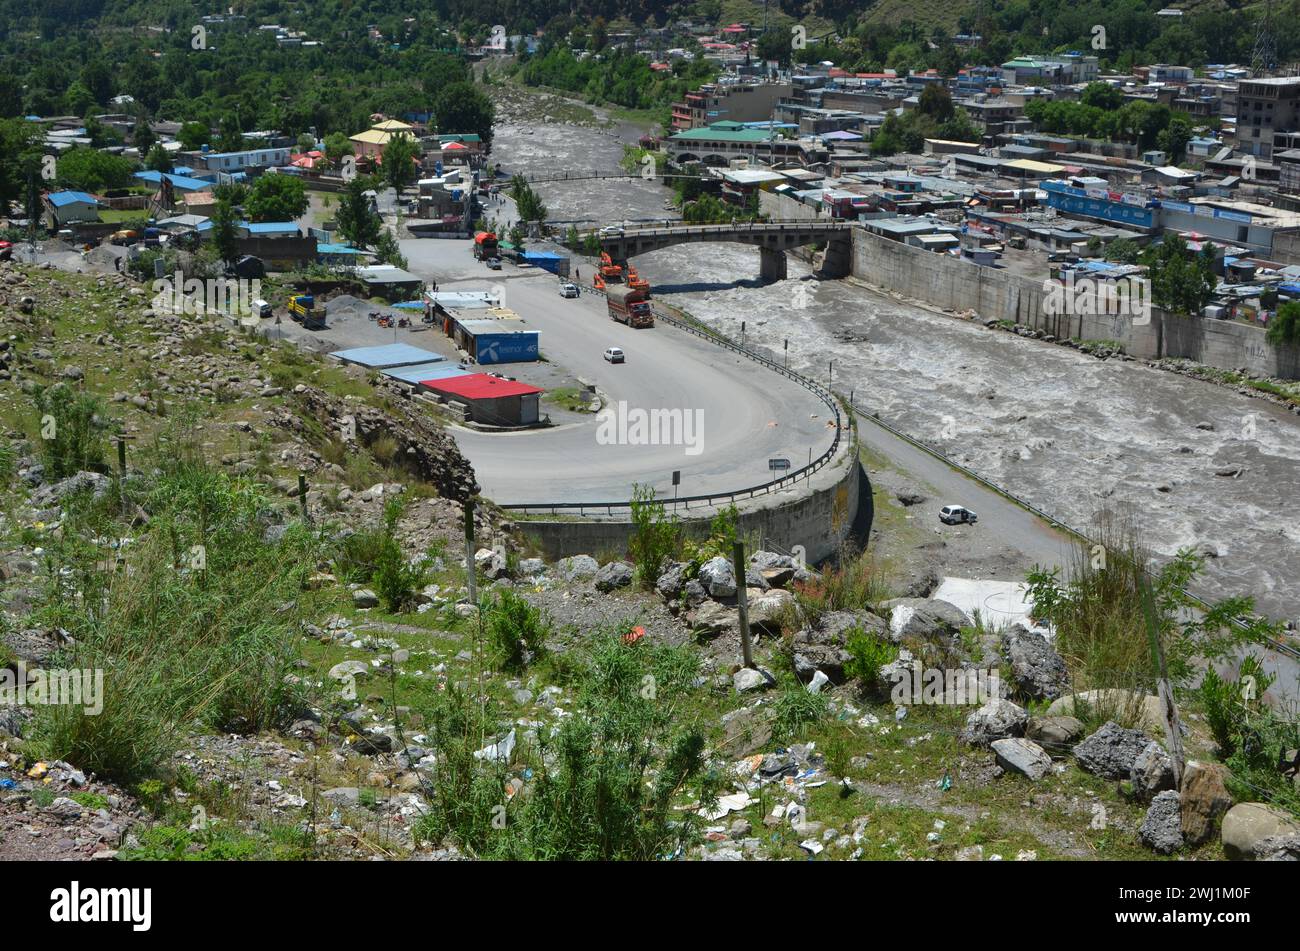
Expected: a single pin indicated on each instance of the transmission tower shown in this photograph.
(1263, 59)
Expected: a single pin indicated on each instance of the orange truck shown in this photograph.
(485, 245)
(628, 305)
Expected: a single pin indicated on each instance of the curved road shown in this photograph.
(734, 415)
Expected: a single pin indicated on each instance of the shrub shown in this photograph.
(869, 654)
(796, 708)
(397, 581)
(516, 629)
(73, 430)
(656, 537)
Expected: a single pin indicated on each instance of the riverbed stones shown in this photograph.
(1111, 751)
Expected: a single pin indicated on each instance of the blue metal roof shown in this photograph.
(182, 182)
(426, 371)
(337, 249)
(390, 355)
(269, 227)
(59, 199)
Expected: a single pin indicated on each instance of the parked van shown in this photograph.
(261, 308)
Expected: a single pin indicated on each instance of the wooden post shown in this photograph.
(302, 494)
(471, 580)
(742, 601)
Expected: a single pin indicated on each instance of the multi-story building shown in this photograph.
(734, 102)
(1265, 107)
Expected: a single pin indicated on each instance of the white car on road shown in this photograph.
(568, 289)
(614, 355)
(957, 515)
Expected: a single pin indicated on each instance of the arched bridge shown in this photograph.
(773, 239)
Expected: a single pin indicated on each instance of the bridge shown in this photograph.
(773, 239)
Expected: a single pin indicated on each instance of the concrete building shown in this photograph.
(1265, 107)
(738, 102)
(720, 143)
(62, 208)
(246, 161)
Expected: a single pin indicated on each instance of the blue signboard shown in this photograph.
(506, 347)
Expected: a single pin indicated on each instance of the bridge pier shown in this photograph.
(837, 259)
(771, 265)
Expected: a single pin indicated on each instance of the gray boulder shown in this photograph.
(1161, 831)
(1036, 668)
(672, 580)
(531, 567)
(1248, 824)
(92, 482)
(1153, 772)
(925, 618)
(364, 598)
(778, 570)
(996, 720)
(576, 567)
(718, 578)
(616, 574)
(1055, 734)
(748, 679)
(1022, 756)
(1111, 751)
(1278, 848)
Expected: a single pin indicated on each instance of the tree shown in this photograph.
(232, 137)
(306, 142)
(158, 159)
(94, 171)
(1174, 137)
(20, 156)
(1181, 281)
(774, 45)
(527, 200)
(142, 136)
(194, 135)
(1102, 96)
(387, 250)
(935, 102)
(275, 197)
(400, 156)
(1284, 328)
(463, 108)
(357, 219)
(224, 237)
(337, 145)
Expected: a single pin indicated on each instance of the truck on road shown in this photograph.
(485, 246)
(628, 305)
(302, 308)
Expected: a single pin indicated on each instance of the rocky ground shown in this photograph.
(1018, 772)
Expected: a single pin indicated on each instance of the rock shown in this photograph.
(746, 731)
(1015, 754)
(747, 679)
(718, 578)
(767, 609)
(343, 795)
(827, 658)
(616, 574)
(372, 744)
(55, 494)
(64, 809)
(1160, 830)
(928, 619)
(777, 570)
(996, 720)
(347, 669)
(1037, 669)
(1124, 706)
(1248, 824)
(908, 499)
(711, 619)
(1111, 751)
(1153, 772)
(1055, 734)
(576, 567)
(364, 598)
(491, 564)
(1205, 797)
(1278, 848)
(672, 580)
(531, 567)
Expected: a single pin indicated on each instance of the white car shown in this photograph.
(957, 515)
(611, 232)
(568, 289)
(614, 355)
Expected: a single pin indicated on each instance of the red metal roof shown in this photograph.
(480, 386)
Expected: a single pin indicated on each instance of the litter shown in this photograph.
(499, 751)
(729, 804)
(811, 846)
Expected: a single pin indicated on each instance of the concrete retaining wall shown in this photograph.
(996, 294)
(818, 520)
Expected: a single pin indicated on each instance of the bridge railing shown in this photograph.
(715, 498)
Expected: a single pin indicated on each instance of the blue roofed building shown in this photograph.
(181, 183)
(65, 207)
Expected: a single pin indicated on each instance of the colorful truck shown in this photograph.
(302, 308)
(628, 305)
(485, 246)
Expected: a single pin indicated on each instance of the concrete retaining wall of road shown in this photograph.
(819, 520)
(951, 283)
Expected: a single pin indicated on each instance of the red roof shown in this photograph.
(480, 386)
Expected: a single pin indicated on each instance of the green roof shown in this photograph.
(714, 134)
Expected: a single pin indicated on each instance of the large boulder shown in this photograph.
(1057, 735)
(1205, 797)
(1111, 751)
(766, 610)
(93, 482)
(672, 580)
(616, 574)
(1248, 824)
(576, 567)
(777, 570)
(822, 646)
(927, 619)
(1125, 706)
(491, 564)
(996, 720)
(1278, 848)
(718, 578)
(711, 619)
(1036, 668)
(1019, 755)
(1160, 831)
(1152, 772)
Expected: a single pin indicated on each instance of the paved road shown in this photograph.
(745, 415)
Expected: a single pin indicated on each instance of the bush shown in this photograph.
(397, 581)
(796, 708)
(855, 584)
(656, 537)
(73, 430)
(607, 786)
(869, 654)
(516, 630)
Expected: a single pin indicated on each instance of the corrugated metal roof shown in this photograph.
(390, 355)
(477, 386)
(424, 371)
(60, 199)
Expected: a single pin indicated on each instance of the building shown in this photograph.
(489, 400)
(720, 143)
(738, 102)
(1265, 107)
(371, 143)
(246, 161)
(1063, 70)
(63, 208)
